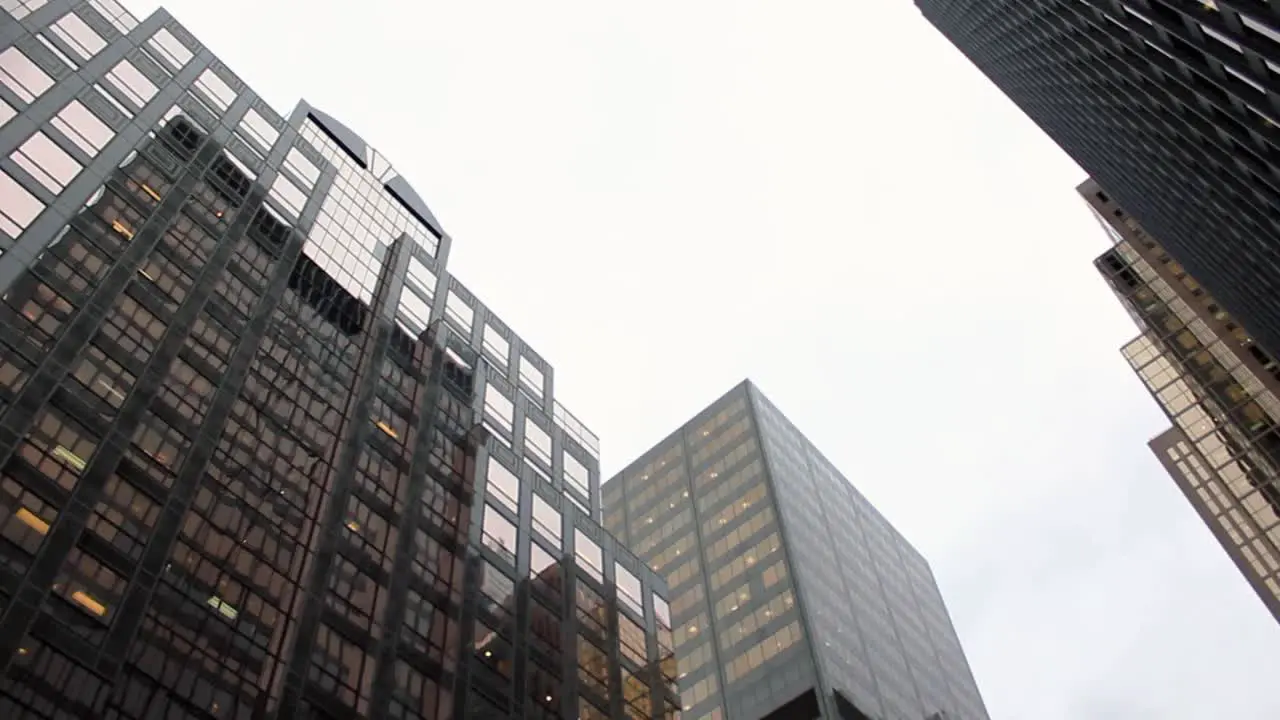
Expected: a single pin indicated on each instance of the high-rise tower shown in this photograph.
(261, 455)
(792, 597)
(1172, 105)
(1220, 390)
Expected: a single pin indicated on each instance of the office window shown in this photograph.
(49, 164)
(546, 519)
(455, 307)
(170, 48)
(496, 345)
(80, 37)
(577, 475)
(632, 641)
(291, 199)
(215, 90)
(499, 407)
(531, 376)
(22, 76)
(503, 485)
(499, 534)
(537, 443)
(544, 570)
(589, 555)
(82, 127)
(593, 667)
(628, 588)
(17, 206)
(132, 83)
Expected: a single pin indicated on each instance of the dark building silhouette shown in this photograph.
(261, 455)
(1220, 390)
(792, 596)
(1171, 105)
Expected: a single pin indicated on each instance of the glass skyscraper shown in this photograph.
(792, 597)
(261, 454)
(1172, 105)
(1220, 390)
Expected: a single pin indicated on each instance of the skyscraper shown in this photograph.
(792, 597)
(1220, 390)
(1170, 104)
(261, 455)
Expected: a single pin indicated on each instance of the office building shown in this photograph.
(791, 596)
(261, 455)
(1171, 105)
(1218, 387)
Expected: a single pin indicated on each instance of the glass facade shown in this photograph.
(261, 455)
(1173, 104)
(764, 544)
(1218, 387)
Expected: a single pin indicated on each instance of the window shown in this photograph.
(593, 667)
(22, 76)
(497, 405)
(589, 555)
(82, 127)
(531, 376)
(546, 519)
(291, 199)
(499, 534)
(498, 592)
(257, 128)
(576, 474)
(306, 171)
(496, 345)
(132, 83)
(457, 309)
(537, 443)
(170, 48)
(628, 588)
(632, 641)
(544, 571)
(46, 162)
(503, 485)
(79, 36)
(17, 206)
(216, 90)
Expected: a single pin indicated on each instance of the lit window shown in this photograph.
(87, 602)
(32, 521)
(22, 76)
(223, 607)
(71, 459)
(387, 429)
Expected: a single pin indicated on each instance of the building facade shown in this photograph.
(792, 597)
(1220, 390)
(261, 455)
(1170, 104)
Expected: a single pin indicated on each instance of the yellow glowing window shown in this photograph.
(122, 229)
(32, 521)
(88, 603)
(387, 429)
(223, 607)
(146, 275)
(353, 526)
(148, 190)
(69, 458)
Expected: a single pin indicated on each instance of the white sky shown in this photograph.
(666, 197)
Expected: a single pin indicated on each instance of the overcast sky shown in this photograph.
(666, 197)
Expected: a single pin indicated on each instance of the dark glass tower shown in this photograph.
(261, 455)
(1170, 104)
(1220, 391)
(792, 596)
